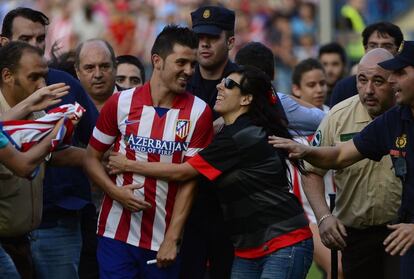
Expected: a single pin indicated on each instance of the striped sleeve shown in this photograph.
(203, 133)
(106, 129)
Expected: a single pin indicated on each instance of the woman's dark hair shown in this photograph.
(64, 62)
(261, 111)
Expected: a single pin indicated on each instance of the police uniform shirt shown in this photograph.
(392, 133)
(368, 193)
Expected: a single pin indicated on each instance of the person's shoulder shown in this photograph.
(396, 114)
(345, 105)
(346, 82)
(56, 76)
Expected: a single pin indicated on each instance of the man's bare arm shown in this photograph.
(183, 202)
(68, 157)
(331, 230)
(124, 195)
(332, 157)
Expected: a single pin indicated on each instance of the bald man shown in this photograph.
(368, 193)
(95, 66)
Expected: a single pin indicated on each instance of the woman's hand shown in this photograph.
(117, 163)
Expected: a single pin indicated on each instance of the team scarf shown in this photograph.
(24, 134)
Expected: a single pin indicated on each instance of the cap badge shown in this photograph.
(400, 49)
(206, 13)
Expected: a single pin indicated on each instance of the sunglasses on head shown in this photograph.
(230, 84)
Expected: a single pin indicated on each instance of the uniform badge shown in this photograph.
(182, 128)
(317, 138)
(206, 13)
(401, 142)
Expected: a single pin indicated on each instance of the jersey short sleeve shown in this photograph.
(203, 133)
(3, 140)
(371, 141)
(221, 155)
(106, 129)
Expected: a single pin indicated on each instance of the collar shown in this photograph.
(361, 113)
(196, 78)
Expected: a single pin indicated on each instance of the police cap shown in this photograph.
(212, 20)
(404, 58)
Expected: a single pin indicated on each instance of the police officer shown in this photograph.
(204, 238)
(391, 133)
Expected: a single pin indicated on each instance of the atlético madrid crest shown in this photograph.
(182, 128)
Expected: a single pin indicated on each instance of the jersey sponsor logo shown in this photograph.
(401, 141)
(130, 122)
(154, 146)
(317, 139)
(182, 127)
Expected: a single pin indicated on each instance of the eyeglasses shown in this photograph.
(230, 84)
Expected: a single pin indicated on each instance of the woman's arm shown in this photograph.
(118, 163)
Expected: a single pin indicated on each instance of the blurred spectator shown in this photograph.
(333, 59)
(309, 83)
(145, 33)
(381, 34)
(87, 23)
(304, 23)
(306, 47)
(279, 36)
(129, 72)
(351, 22)
(121, 28)
(61, 30)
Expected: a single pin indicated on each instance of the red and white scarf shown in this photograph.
(23, 134)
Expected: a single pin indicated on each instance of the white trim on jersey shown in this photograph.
(102, 137)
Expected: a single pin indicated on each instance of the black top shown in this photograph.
(344, 89)
(206, 89)
(252, 185)
(392, 133)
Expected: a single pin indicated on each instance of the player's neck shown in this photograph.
(160, 94)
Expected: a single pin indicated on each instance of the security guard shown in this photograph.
(204, 238)
(391, 133)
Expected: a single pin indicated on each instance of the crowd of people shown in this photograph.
(196, 169)
(288, 27)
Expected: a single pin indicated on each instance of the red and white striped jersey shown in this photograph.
(129, 121)
(297, 187)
